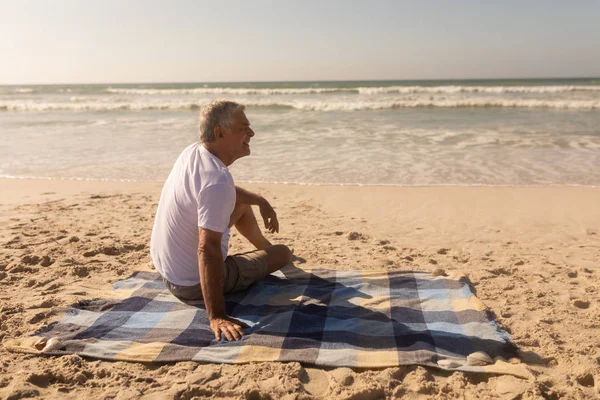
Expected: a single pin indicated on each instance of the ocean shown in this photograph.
(413, 133)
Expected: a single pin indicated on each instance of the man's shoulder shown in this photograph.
(205, 168)
(217, 178)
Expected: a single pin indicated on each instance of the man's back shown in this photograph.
(199, 192)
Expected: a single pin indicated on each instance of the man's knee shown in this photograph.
(278, 256)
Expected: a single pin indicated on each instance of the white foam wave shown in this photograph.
(311, 105)
(49, 178)
(82, 105)
(446, 103)
(360, 90)
(475, 89)
(225, 90)
(83, 99)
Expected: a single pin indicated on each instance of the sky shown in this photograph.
(108, 41)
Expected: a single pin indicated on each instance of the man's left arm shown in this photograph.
(267, 212)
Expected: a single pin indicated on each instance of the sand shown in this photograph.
(532, 254)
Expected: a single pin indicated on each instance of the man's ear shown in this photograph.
(218, 131)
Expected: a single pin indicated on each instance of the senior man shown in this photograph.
(198, 204)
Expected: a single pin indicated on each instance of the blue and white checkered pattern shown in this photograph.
(322, 317)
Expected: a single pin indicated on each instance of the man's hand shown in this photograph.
(266, 211)
(210, 264)
(230, 327)
(269, 216)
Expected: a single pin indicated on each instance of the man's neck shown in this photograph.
(225, 159)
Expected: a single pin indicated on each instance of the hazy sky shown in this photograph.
(77, 41)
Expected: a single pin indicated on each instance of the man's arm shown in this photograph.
(210, 264)
(266, 211)
(247, 197)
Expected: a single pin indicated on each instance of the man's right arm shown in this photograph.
(210, 264)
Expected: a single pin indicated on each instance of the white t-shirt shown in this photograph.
(199, 192)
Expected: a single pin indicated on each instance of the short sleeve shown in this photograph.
(215, 205)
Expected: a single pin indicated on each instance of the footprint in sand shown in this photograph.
(45, 304)
(500, 271)
(342, 376)
(585, 379)
(52, 288)
(355, 236)
(582, 304)
(46, 261)
(39, 317)
(30, 260)
(315, 381)
(110, 251)
(80, 271)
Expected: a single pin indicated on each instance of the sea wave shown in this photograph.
(477, 89)
(428, 102)
(442, 103)
(228, 90)
(360, 90)
(25, 90)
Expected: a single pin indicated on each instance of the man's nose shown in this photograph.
(251, 132)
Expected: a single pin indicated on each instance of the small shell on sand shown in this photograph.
(40, 343)
(438, 272)
(53, 344)
(449, 364)
(479, 358)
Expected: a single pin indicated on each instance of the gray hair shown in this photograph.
(216, 113)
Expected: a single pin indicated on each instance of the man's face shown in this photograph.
(239, 135)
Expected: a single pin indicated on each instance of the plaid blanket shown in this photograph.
(322, 317)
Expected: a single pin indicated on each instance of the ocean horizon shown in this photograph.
(549, 79)
(472, 132)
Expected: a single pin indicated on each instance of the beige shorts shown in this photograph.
(239, 272)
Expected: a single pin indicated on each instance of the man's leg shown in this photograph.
(245, 222)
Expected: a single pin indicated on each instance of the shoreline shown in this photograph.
(446, 213)
(328, 184)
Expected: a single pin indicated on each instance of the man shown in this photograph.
(198, 205)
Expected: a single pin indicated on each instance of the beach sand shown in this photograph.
(532, 254)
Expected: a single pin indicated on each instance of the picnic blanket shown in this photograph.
(323, 317)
